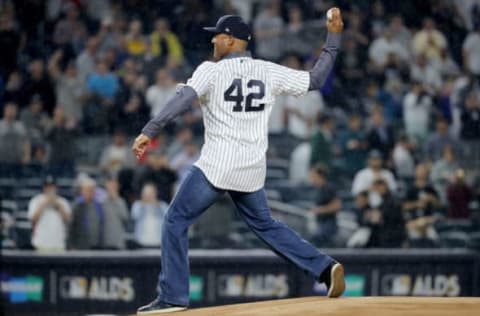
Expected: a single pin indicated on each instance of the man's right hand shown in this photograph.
(140, 145)
(335, 24)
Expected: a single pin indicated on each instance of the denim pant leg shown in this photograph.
(280, 238)
(194, 196)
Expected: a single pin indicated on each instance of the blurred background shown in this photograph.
(386, 156)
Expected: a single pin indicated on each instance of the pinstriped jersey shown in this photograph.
(236, 96)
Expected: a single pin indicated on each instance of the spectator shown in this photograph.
(442, 172)
(10, 41)
(429, 41)
(148, 214)
(61, 137)
(183, 136)
(158, 172)
(321, 141)
(115, 216)
(426, 73)
(353, 145)
(117, 155)
(183, 161)
(327, 205)
(14, 140)
(380, 135)
(403, 160)
(103, 82)
(162, 90)
(133, 114)
(87, 229)
(50, 215)
(69, 87)
(419, 207)
(470, 117)
(165, 44)
(13, 89)
(364, 178)
(69, 31)
(85, 61)
(135, 41)
(35, 119)
(445, 65)
(377, 20)
(459, 196)
(400, 32)
(471, 52)
(296, 41)
(385, 52)
(355, 30)
(300, 113)
(268, 28)
(417, 112)
(351, 62)
(38, 83)
(437, 141)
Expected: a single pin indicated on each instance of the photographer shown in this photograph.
(50, 215)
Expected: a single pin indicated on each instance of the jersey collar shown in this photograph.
(238, 54)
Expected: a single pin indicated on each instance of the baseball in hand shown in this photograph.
(330, 14)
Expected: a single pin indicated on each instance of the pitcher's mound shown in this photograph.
(361, 306)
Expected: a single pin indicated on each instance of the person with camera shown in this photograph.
(50, 215)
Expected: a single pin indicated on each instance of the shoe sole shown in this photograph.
(163, 311)
(337, 285)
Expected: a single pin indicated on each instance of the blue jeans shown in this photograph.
(194, 196)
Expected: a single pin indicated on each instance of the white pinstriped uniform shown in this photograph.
(233, 156)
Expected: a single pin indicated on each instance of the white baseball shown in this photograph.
(329, 15)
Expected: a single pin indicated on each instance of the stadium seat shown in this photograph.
(474, 241)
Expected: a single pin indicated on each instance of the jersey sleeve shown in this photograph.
(288, 81)
(201, 78)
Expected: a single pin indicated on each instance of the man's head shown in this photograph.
(49, 185)
(421, 175)
(375, 160)
(149, 193)
(10, 112)
(87, 189)
(36, 104)
(318, 175)
(231, 35)
(119, 138)
(355, 122)
(361, 200)
(442, 126)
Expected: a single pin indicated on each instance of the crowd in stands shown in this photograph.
(391, 142)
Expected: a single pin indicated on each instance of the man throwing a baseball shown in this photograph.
(236, 94)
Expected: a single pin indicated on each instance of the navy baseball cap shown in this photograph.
(232, 25)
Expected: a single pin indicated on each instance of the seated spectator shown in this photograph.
(403, 160)
(380, 135)
(417, 112)
(437, 141)
(364, 178)
(87, 229)
(419, 208)
(471, 51)
(353, 145)
(117, 155)
(157, 171)
(14, 142)
(61, 136)
(50, 215)
(470, 117)
(115, 216)
(148, 214)
(103, 82)
(459, 196)
(321, 141)
(35, 119)
(165, 44)
(160, 92)
(443, 171)
(327, 205)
